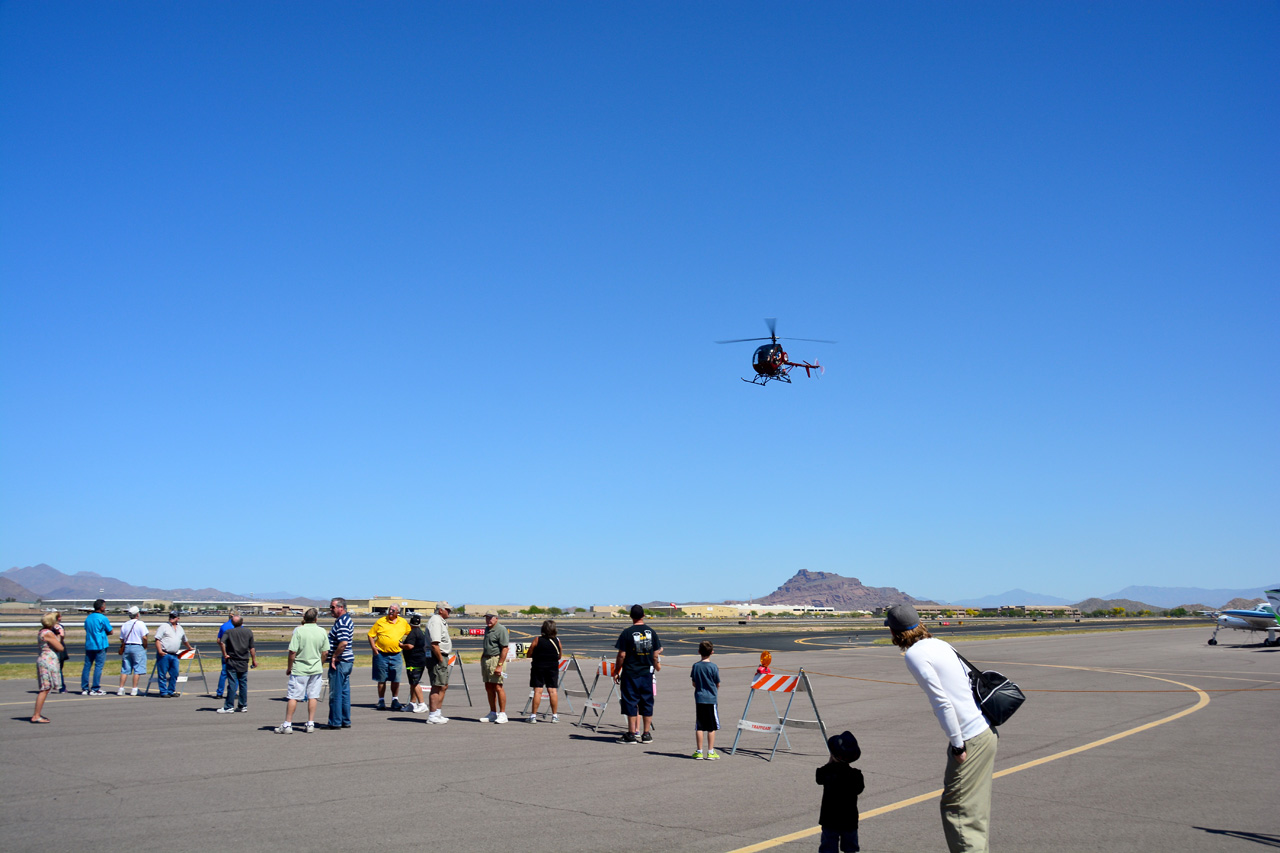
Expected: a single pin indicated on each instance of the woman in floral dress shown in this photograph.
(48, 674)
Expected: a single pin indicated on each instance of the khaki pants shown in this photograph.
(966, 795)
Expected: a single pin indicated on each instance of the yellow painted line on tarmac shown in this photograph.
(830, 641)
(1201, 702)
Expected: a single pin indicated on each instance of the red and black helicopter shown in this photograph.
(771, 360)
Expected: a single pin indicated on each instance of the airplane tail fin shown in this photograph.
(1273, 595)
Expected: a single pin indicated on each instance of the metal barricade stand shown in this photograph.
(456, 661)
(192, 658)
(789, 684)
(605, 670)
(566, 664)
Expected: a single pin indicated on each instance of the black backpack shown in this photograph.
(997, 697)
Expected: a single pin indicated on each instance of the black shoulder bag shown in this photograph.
(997, 697)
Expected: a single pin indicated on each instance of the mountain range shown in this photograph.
(816, 589)
(825, 589)
(1132, 598)
(1013, 596)
(44, 581)
(12, 589)
(1175, 596)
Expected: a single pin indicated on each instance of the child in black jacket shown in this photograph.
(841, 785)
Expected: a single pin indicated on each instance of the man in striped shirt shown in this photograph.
(341, 658)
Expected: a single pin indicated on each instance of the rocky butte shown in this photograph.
(826, 589)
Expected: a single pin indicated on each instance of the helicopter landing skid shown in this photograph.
(762, 380)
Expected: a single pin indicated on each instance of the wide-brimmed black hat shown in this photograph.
(844, 747)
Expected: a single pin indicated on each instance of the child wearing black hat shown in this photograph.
(841, 785)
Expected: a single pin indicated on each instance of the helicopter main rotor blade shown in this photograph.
(742, 340)
(810, 340)
(772, 323)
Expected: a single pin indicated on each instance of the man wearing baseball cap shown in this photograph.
(971, 753)
(438, 662)
(171, 639)
(133, 650)
(492, 659)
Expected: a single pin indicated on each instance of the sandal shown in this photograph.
(42, 720)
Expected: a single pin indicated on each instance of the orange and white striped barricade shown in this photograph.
(566, 664)
(771, 685)
(455, 661)
(188, 657)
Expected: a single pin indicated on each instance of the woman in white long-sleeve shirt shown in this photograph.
(971, 753)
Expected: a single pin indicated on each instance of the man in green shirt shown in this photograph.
(492, 660)
(306, 653)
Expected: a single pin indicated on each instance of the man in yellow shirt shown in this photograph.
(384, 639)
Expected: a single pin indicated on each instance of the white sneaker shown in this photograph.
(311, 726)
(417, 708)
(533, 718)
(226, 711)
(501, 718)
(438, 719)
(120, 692)
(555, 718)
(133, 692)
(492, 717)
(286, 729)
(97, 693)
(84, 692)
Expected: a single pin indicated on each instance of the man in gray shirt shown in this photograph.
(438, 662)
(493, 658)
(170, 641)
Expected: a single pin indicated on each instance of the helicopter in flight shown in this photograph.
(771, 360)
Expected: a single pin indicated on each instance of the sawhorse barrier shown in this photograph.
(607, 669)
(455, 662)
(791, 685)
(184, 675)
(566, 664)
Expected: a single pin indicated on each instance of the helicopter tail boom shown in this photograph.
(808, 368)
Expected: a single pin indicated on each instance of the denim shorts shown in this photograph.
(388, 667)
(134, 660)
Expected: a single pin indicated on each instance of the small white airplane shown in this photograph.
(1261, 618)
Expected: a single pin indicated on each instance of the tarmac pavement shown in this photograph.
(1179, 756)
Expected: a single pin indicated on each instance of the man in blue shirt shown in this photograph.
(222, 676)
(97, 628)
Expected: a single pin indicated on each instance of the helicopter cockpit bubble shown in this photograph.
(769, 354)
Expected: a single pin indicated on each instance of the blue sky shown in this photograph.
(419, 299)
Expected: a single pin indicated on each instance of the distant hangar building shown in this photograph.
(378, 605)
